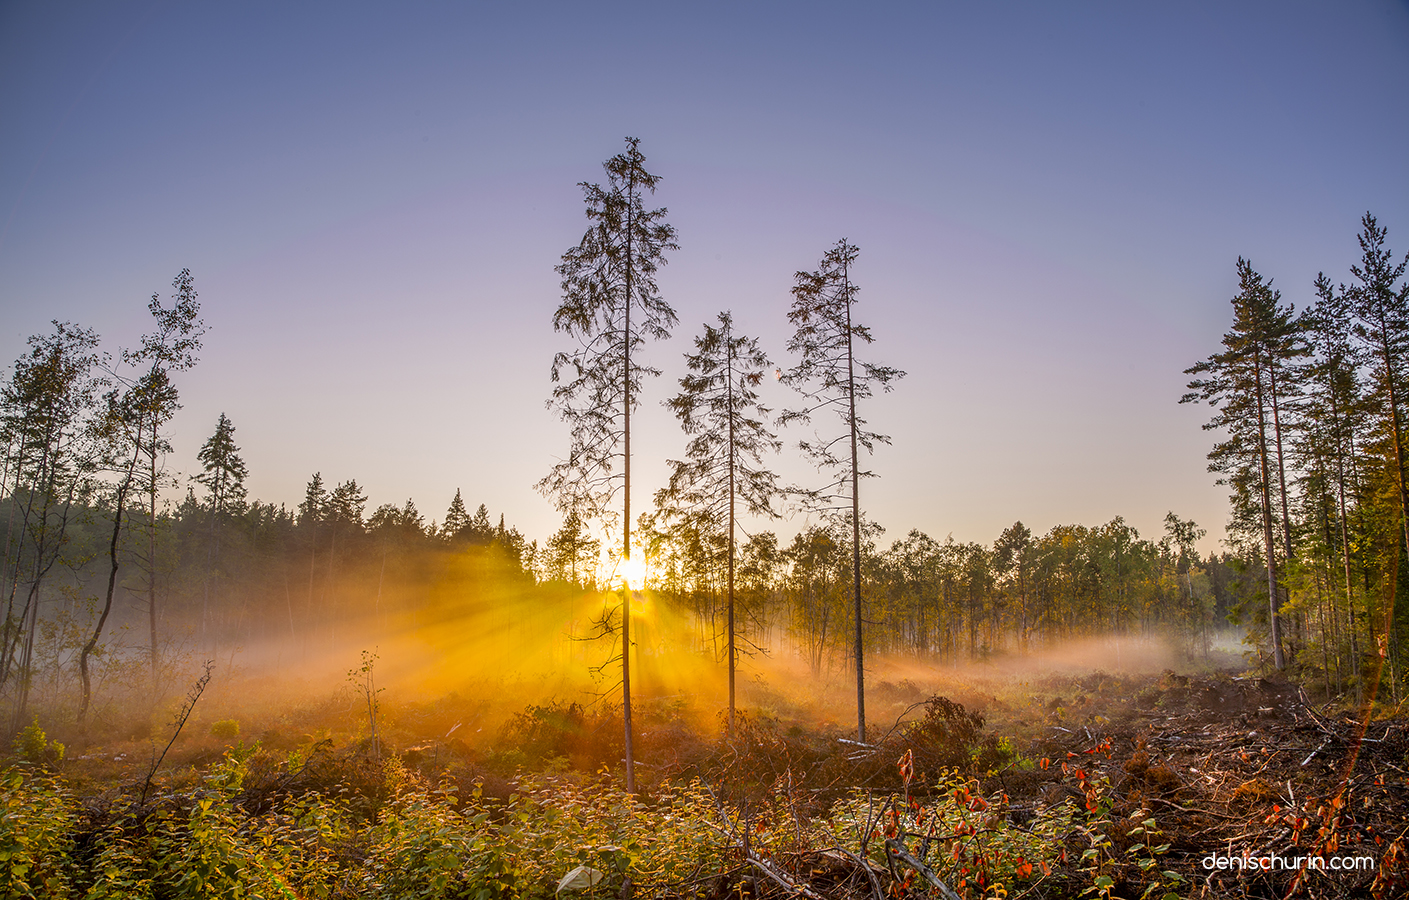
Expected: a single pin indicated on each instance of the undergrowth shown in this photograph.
(777, 811)
(258, 826)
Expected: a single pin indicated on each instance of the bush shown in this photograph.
(37, 819)
(554, 825)
(225, 729)
(34, 747)
(424, 849)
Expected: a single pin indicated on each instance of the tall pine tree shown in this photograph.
(611, 305)
(1249, 385)
(718, 405)
(832, 380)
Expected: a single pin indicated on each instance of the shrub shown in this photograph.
(225, 729)
(424, 849)
(553, 825)
(36, 820)
(982, 853)
(33, 746)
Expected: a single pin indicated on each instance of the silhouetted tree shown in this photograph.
(457, 518)
(571, 553)
(171, 347)
(43, 412)
(224, 480)
(606, 277)
(130, 429)
(718, 406)
(832, 380)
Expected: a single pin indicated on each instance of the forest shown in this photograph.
(212, 695)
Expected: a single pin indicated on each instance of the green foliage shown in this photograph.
(34, 747)
(122, 870)
(424, 849)
(554, 825)
(211, 852)
(225, 729)
(37, 819)
(238, 836)
(965, 837)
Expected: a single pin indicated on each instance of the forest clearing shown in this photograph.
(1045, 784)
(1085, 713)
(209, 695)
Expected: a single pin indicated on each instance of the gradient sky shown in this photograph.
(1049, 201)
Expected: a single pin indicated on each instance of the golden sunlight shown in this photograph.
(633, 572)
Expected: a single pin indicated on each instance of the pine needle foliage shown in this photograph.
(718, 405)
(832, 380)
(607, 276)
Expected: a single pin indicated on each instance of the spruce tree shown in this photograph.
(611, 305)
(832, 380)
(457, 520)
(718, 405)
(224, 480)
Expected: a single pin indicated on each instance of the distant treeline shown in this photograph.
(317, 578)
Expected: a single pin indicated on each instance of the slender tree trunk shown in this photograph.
(1273, 596)
(12, 455)
(332, 589)
(855, 517)
(626, 477)
(729, 373)
(1345, 548)
(1288, 552)
(15, 626)
(119, 505)
(152, 554)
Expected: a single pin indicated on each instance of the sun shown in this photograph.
(633, 572)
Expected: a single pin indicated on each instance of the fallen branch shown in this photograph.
(898, 850)
(866, 867)
(782, 878)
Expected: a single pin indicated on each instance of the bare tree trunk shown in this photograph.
(1273, 597)
(120, 503)
(855, 517)
(626, 521)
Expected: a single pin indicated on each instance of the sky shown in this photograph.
(1050, 200)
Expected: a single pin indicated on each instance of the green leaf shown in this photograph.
(580, 879)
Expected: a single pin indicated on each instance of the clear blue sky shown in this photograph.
(1049, 201)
